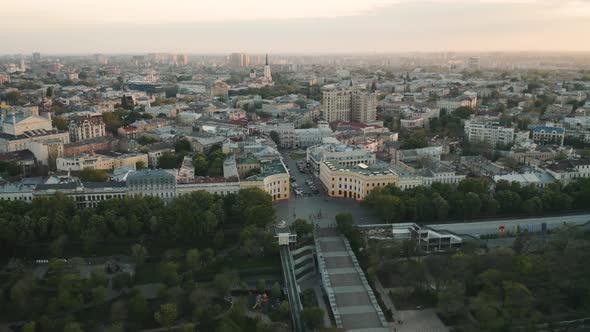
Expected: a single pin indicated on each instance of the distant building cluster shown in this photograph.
(167, 124)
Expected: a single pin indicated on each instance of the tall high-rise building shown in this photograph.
(364, 106)
(267, 73)
(349, 104)
(36, 57)
(336, 105)
(239, 60)
(23, 67)
(473, 63)
(101, 59)
(183, 59)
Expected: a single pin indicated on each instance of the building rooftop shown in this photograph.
(248, 159)
(268, 168)
(562, 166)
(28, 134)
(150, 173)
(377, 169)
(549, 129)
(527, 178)
(17, 155)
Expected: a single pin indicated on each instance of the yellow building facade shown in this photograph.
(353, 181)
(273, 179)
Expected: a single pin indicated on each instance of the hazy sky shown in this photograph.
(281, 26)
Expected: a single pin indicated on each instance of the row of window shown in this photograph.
(150, 181)
(347, 194)
(20, 198)
(277, 190)
(98, 197)
(152, 187)
(278, 196)
(354, 181)
(274, 183)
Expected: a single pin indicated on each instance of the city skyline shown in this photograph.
(374, 26)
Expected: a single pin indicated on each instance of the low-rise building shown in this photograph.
(538, 179)
(18, 191)
(311, 136)
(489, 132)
(142, 126)
(273, 179)
(347, 155)
(85, 194)
(411, 177)
(565, 171)
(532, 154)
(247, 164)
(25, 159)
(548, 135)
(354, 181)
(86, 127)
(99, 161)
(452, 104)
(204, 143)
(186, 172)
(157, 183)
(216, 186)
(356, 138)
(418, 117)
(412, 123)
(432, 152)
(10, 143)
(47, 151)
(25, 126)
(88, 146)
(155, 151)
(219, 89)
(285, 132)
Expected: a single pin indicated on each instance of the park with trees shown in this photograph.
(136, 263)
(475, 198)
(536, 284)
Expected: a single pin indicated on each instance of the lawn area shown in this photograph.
(297, 155)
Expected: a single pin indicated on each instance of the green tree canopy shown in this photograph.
(167, 315)
(313, 317)
(93, 175)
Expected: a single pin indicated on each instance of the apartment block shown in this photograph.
(349, 105)
(489, 132)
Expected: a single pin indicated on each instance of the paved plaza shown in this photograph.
(322, 211)
(318, 209)
(424, 320)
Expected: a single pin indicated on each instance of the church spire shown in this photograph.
(267, 73)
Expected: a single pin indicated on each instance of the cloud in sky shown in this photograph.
(61, 26)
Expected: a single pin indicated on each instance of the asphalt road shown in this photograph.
(294, 172)
(492, 226)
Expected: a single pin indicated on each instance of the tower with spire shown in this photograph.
(267, 73)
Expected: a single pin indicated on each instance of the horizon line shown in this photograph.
(286, 53)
